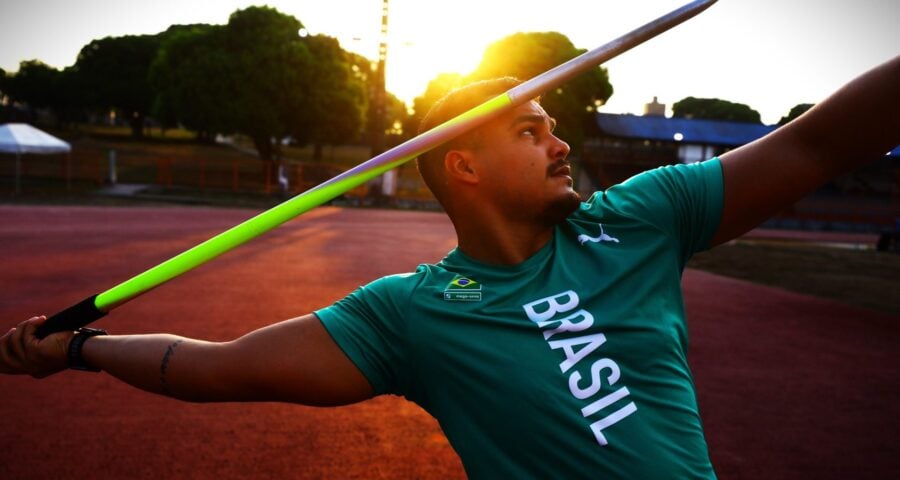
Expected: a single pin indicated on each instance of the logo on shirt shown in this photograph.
(582, 239)
(574, 334)
(463, 289)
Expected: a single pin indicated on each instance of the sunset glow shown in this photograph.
(768, 54)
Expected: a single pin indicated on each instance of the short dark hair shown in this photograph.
(451, 105)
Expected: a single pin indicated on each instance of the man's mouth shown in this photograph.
(561, 169)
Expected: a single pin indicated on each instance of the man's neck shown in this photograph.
(501, 243)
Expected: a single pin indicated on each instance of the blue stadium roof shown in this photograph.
(694, 131)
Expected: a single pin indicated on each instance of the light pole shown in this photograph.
(377, 126)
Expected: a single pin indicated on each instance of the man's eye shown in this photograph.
(529, 131)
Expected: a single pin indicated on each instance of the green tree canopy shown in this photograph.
(34, 84)
(395, 115)
(4, 110)
(249, 77)
(395, 110)
(337, 96)
(191, 78)
(437, 88)
(795, 112)
(113, 74)
(268, 64)
(258, 77)
(714, 109)
(526, 55)
(41, 86)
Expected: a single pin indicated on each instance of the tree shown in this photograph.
(437, 88)
(337, 97)
(249, 77)
(258, 77)
(4, 109)
(396, 114)
(34, 84)
(395, 110)
(526, 55)
(113, 73)
(795, 112)
(268, 66)
(714, 109)
(40, 86)
(191, 78)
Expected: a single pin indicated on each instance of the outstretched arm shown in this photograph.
(293, 361)
(856, 125)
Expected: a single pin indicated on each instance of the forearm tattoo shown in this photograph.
(164, 366)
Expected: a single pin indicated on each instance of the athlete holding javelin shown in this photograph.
(551, 343)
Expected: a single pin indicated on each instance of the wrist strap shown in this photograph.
(75, 360)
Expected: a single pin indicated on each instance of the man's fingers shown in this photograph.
(12, 352)
(16, 343)
(28, 328)
(6, 359)
(36, 318)
(26, 332)
(32, 323)
(7, 334)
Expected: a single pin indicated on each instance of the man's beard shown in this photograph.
(560, 208)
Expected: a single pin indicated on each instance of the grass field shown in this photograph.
(864, 278)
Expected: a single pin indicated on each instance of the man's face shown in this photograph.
(523, 165)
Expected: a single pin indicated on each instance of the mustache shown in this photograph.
(557, 165)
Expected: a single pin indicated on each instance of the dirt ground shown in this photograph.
(789, 385)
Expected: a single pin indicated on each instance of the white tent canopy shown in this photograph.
(23, 138)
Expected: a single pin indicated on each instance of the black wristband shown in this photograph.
(76, 361)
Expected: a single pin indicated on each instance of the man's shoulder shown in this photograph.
(393, 295)
(425, 275)
(652, 187)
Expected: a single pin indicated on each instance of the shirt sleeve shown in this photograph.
(368, 325)
(684, 201)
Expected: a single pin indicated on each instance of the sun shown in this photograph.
(419, 50)
(419, 46)
(414, 59)
(411, 66)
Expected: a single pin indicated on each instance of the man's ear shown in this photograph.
(460, 166)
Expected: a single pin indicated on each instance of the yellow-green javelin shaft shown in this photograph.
(279, 214)
(96, 306)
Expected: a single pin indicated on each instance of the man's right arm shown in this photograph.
(292, 361)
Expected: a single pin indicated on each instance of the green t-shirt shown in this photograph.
(571, 364)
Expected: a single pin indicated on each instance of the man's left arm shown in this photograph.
(854, 126)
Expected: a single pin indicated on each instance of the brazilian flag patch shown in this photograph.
(463, 289)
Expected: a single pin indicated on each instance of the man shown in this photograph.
(551, 343)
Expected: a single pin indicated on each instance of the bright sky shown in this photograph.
(769, 54)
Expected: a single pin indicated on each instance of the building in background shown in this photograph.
(623, 145)
(655, 109)
(619, 146)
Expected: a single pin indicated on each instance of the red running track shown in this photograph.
(790, 386)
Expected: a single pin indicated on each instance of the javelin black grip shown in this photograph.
(72, 318)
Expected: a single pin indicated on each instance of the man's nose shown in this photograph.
(559, 148)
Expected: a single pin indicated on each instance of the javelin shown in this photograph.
(97, 306)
